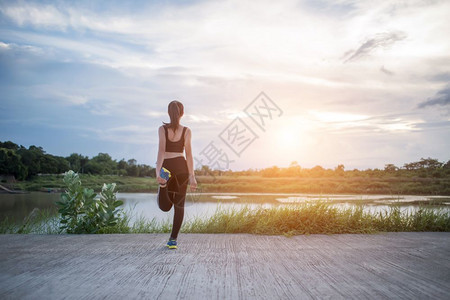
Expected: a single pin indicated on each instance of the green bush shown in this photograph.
(82, 212)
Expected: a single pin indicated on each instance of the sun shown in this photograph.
(288, 137)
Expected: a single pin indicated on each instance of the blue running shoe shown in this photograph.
(172, 244)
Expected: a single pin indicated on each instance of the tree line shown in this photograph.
(23, 163)
(425, 167)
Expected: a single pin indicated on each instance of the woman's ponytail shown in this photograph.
(176, 111)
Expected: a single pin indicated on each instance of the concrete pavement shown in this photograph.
(226, 266)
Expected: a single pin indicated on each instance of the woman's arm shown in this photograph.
(190, 160)
(161, 152)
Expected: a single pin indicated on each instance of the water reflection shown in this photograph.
(203, 205)
(18, 206)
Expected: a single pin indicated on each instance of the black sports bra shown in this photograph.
(177, 146)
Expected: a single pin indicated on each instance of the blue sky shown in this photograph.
(363, 83)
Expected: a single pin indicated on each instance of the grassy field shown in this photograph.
(312, 218)
(124, 183)
(258, 184)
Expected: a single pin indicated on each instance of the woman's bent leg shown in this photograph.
(164, 202)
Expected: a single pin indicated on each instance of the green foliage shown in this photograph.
(82, 212)
(123, 183)
(26, 163)
(9, 145)
(390, 168)
(77, 162)
(101, 164)
(11, 164)
(413, 178)
(31, 158)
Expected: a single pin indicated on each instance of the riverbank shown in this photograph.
(306, 218)
(226, 266)
(252, 184)
(5, 190)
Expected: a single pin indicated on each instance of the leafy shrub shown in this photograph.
(82, 212)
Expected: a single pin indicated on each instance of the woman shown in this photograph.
(173, 138)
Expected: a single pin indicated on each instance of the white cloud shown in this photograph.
(331, 117)
(281, 40)
(217, 56)
(12, 47)
(153, 113)
(4, 46)
(34, 14)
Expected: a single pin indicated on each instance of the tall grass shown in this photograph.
(319, 218)
(308, 218)
(39, 221)
(140, 224)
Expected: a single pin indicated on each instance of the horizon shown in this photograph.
(354, 82)
(252, 169)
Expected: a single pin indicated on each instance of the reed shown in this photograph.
(317, 217)
(39, 221)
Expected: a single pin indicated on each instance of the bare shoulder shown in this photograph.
(161, 129)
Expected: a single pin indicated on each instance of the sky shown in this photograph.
(359, 83)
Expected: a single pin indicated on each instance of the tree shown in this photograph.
(122, 164)
(317, 171)
(145, 170)
(446, 165)
(339, 169)
(294, 169)
(83, 163)
(411, 166)
(49, 164)
(62, 164)
(133, 170)
(204, 170)
(293, 164)
(77, 162)
(9, 145)
(390, 168)
(424, 163)
(273, 171)
(101, 164)
(31, 158)
(430, 163)
(93, 167)
(11, 164)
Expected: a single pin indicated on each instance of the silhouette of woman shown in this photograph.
(173, 139)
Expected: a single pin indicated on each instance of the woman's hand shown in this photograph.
(192, 183)
(161, 180)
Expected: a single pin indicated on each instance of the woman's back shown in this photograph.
(175, 141)
(175, 136)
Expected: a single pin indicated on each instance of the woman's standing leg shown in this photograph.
(178, 204)
(174, 194)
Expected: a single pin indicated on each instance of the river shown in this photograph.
(18, 206)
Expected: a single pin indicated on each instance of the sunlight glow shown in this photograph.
(289, 138)
(325, 116)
